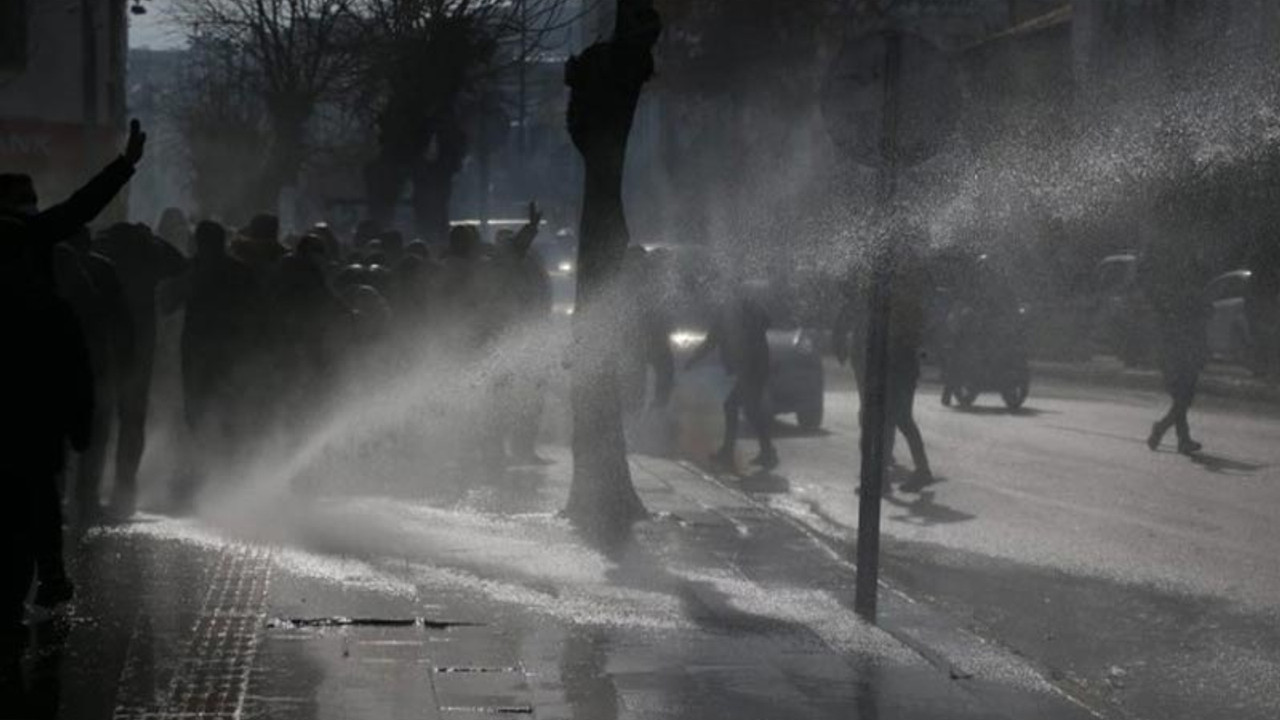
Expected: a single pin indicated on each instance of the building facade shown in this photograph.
(62, 88)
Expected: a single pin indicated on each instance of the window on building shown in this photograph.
(13, 34)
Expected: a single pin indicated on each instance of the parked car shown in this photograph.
(1229, 334)
(1119, 315)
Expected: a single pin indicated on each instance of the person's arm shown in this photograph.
(527, 234)
(61, 221)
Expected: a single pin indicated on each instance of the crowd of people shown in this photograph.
(272, 329)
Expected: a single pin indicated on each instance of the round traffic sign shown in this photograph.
(884, 83)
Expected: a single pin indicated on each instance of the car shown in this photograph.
(1230, 337)
(1119, 316)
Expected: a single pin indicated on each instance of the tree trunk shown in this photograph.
(433, 181)
(605, 83)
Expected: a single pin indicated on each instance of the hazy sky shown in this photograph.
(149, 30)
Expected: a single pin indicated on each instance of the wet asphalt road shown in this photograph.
(1148, 582)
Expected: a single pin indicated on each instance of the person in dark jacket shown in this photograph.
(305, 313)
(259, 246)
(906, 334)
(50, 399)
(89, 282)
(47, 228)
(143, 261)
(221, 331)
(740, 331)
(647, 333)
(1173, 279)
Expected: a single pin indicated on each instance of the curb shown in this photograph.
(924, 630)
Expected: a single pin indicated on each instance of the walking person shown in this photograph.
(1174, 279)
(907, 317)
(221, 331)
(88, 281)
(740, 332)
(143, 261)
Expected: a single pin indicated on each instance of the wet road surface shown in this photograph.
(1146, 581)
(473, 603)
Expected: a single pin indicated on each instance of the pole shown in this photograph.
(522, 112)
(875, 424)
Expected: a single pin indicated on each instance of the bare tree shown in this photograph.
(605, 83)
(223, 126)
(296, 54)
(426, 67)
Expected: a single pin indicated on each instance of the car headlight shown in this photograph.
(565, 266)
(686, 339)
(804, 344)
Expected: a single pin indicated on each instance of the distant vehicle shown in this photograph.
(1230, 335)
(1119, 316)
(991, 360)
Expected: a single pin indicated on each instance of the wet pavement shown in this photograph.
(481, 602)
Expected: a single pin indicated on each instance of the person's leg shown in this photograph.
(903, 400)
(131, 433)
(753, 404)
(54, 587)
(1182, 401)
(92, 462)
(732, 409)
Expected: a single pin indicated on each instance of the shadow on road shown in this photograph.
(765, 482)
(1225, 466)
(786, 430)
(1001, 410)
(919, 503)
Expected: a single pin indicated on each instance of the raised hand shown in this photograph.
(137, 142)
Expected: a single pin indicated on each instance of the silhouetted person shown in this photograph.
(305, 313)
(740, 331)
(1174, 282)
(647, 336)
(906, 332)
(259, 246)
(18, 200)
(90, 283)
(174, 228)
(221, 332)
(49, 400)
(524, 279)
(143, 261)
